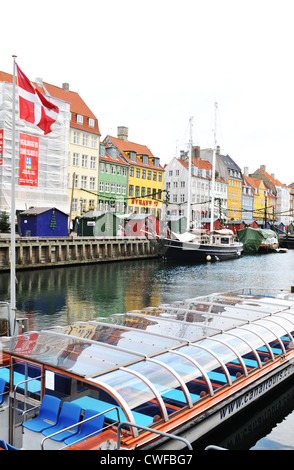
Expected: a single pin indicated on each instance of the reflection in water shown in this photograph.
(247, 430)
(61, 296)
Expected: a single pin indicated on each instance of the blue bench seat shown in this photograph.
(33, 386)
(100, 406)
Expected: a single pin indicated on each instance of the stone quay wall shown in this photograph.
(36, 252)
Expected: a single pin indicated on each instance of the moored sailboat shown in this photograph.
(200, 246)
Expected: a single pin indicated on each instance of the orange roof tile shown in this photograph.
(77, 105)
(274, 181)
(125, 146)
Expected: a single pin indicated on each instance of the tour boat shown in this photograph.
(156, 378)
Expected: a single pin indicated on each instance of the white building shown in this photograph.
(176, 178)
(41, 162)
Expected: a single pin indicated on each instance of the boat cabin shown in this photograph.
(159, 368)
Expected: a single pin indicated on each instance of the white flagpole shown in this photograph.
(12, 216)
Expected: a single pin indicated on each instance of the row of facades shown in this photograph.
(76, 172)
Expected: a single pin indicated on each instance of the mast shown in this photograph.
(189, 177)
(213, 173)
(12, 216)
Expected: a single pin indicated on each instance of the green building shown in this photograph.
(113, 180)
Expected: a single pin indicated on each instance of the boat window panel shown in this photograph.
(128, 386)
(208, 362)
(189, 373)
(225, 353)
(268, 336)
(164, 381)
(240, 313)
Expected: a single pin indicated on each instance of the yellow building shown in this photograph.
(145, 181)
(234, 204)
(259, 191)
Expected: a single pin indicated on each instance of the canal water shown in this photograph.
(60, 296)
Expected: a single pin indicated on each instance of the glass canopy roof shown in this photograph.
(175, 353)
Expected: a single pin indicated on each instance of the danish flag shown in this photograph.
(33, 106)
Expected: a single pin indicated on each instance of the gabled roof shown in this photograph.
(201, 165)
(108, 158)
(77, 104)
(125, 146)
(253, 182)
(230, 162)
(272, 180)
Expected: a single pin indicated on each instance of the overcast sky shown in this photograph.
(151, 65)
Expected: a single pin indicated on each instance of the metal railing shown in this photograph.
(78, 424)
(155, 431)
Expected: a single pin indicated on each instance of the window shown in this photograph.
(93, 142)
(76, 137)
(137, 172)
(107, 187)
(112, 188)
(101, 186)
(159, 176)
(118, 188)
(92, 182)
(91, 204)
(124, 190)
(113, 169)
(80, 119)
(149, 175)
(143, 191)
(132, 171)
(85, 140)
(93, 163)
(76, 182)
(143, 174)
(131, 190)
(118, 170)
(137, 194)
(91, 122)
(125, 171)
(75, 159)
(74, 206)
(84, 182)
(84, 161)
(154, 176)
(101, 167)
(107, 168)
(182, 198)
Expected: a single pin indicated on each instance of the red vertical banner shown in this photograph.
(1, 146)
(28, 160)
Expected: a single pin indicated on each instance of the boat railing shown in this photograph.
(155, 431)
(82, 422)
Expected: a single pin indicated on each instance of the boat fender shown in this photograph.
(208, 258)
(216, 258)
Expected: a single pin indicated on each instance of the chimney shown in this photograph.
(39, 81)
(218, 149)
(196, 152)
(263, 167)
(122, 133)
(65, 86)
(273, 176)
(246, 171)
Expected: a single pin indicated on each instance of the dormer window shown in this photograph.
(91, 122)
(133, 156)
(80, 119)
